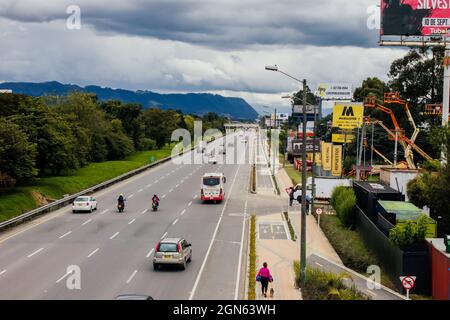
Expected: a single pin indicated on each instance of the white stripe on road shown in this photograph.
(149, 185)
(86, 222)
(93, 252)
(195, 197)
(170, 190)
(65, 234)
(182, 212)
(177, 185)
(163, 196)
(104, 211)
(57, 281)
(164, 235)
(2, 272)
(132, 276)
(114, 235)
(37, 251)
(132, 221)
(199, 275)
(144, 211)
(140, 190)
(149, 253)
(190, 203)
(175, 222)
(131, 196)
(238, 276)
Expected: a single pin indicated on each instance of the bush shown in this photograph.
(343, 199)
(321, 285)
(409, 233)
(146, 144)
(252, 260)
(348, 244)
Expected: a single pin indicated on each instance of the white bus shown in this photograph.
(213, 187)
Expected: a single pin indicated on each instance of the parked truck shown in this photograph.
(324, 187)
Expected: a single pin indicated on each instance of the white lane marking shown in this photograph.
(2, 272)
(182, 181)
(238, 276)
(132, 276)
(190, 204)
(182, 212)
(149, 185)
(319, 264)
(199, 275)
(164, 235)
(175, 222)
(86, 222)
(104, 211)
(177, 185)
(132, 221)
(114, 235)
(163, 196)
(57, 281)
(93, 252)
(170, 190)
(65, 234)
(131, 196)
(371, 292)
(35, 252)
(150, 253)
(156, 181)
(144, 211)
(140, 190)
(195, 197)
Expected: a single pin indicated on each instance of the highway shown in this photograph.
(114, 250)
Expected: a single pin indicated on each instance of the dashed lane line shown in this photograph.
(86, 222)
(35, 252)
(143, 212)
(104, 211)
(183, 212)
(93, 252)
(114, 235)
(132, 221)
(175, 222)
(65, 234)
(2, 272)
(132, 276)
(150, 253)
(164, 235)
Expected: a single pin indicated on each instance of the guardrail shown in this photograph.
(67, 200)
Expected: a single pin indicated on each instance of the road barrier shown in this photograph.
(69, 199)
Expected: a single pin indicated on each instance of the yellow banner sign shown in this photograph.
(347, 115)
(342, 138)
(326, 156)
(336, 169)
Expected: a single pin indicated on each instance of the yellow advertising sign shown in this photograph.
(347, 115)
(319, 159)
(342, 138)
(326, 156)
(336, 169)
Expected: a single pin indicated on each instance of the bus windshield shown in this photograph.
(212, 181)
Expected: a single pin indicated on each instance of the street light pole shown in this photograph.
(303, 214)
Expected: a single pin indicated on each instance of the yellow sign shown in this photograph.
(347, 115)
(319, 159)
(326, 156)
(336, 169)
(342, 138)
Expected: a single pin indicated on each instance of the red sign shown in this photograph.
(415, 17)
(408, 282)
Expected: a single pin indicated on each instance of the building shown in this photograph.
(5, 91)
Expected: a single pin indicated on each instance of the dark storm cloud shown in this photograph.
(225, 24)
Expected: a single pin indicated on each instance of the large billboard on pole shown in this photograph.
(347, 115)
(335, 91)
(415, 17)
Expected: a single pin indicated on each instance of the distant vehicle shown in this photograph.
(172, 251)
(212, 159)
(84, 203)
(133, 297)
(324, 187)
(213, 187)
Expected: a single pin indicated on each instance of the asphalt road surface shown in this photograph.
(113, 251)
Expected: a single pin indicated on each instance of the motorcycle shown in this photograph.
(121, 207)
(155, 205)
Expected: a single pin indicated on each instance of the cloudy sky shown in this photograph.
(218, 46)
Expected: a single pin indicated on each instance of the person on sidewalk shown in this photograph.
(264, 277)
(291, 195)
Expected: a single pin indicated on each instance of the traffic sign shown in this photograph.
(319, 211)
(408, 283)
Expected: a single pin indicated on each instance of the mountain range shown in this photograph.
(190, 103)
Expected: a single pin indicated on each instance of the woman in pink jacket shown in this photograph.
(264, 277)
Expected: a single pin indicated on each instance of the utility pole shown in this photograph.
(313, 191)
(274, 153)
(446, 100)
(303, 213)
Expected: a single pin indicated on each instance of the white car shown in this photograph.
(84, 203)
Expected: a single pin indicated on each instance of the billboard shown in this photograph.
(335, 91)
(415, 17)
(343, 138)
(326, 156)
(336, 169)
(347, 115)
(311, 146)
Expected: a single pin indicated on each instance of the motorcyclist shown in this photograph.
(155, 200)
(121, 200)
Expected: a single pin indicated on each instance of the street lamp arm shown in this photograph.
(288, 75)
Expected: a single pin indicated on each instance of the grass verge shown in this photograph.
(291, 228)
(321, 285)
(22, 199)
(252, 260)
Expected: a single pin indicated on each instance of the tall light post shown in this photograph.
(303, 213)
(270, 142)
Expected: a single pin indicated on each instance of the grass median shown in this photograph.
(21, 199)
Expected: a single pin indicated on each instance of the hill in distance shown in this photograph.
(190, 103)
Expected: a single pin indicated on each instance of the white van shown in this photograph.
(213, 187)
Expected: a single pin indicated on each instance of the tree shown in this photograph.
(159, 125)
(17, 154)
(370, 87)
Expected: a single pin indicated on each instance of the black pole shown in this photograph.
(303, 213)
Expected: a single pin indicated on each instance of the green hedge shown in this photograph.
(410, 232)
(252, 260)
(343, 200)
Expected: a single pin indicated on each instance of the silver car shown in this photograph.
(172, 251)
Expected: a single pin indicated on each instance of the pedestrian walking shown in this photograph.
(291, 196)
(264, 277)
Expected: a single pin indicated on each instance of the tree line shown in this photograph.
(51, 135)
